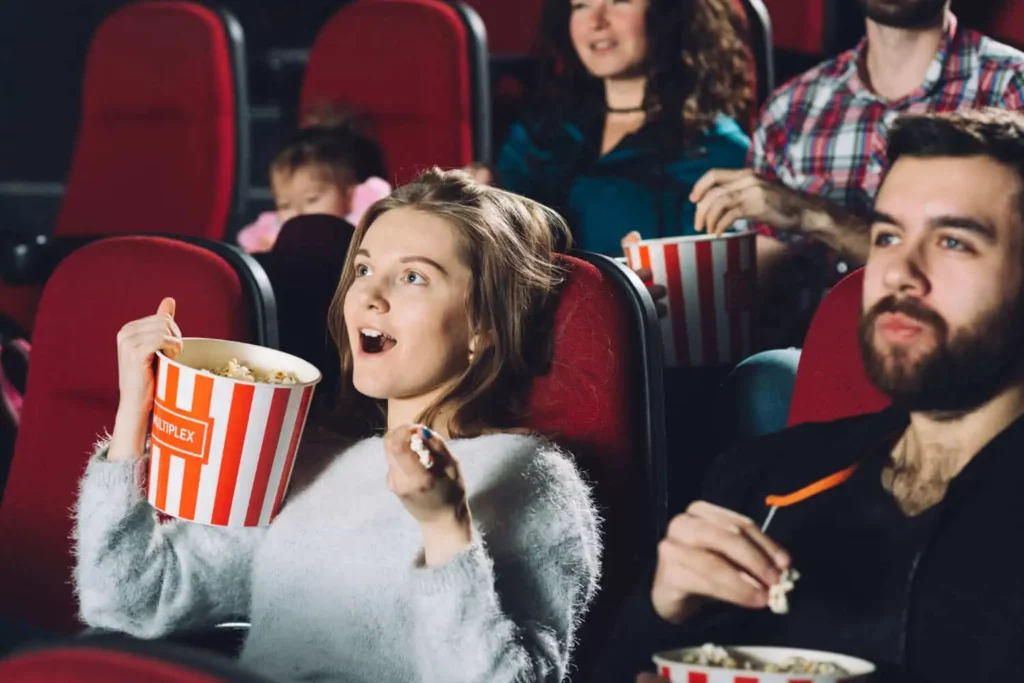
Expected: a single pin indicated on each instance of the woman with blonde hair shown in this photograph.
(444, 544)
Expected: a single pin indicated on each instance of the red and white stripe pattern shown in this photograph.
(711, 285)
(733, 677)
(221, 452)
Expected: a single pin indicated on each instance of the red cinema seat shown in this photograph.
(830, 381)
(602, 398)
(163, 134)
(418, 70)
(1008, 24)
(72, 390)
(511, 26)
(102, 660)
(802, 26)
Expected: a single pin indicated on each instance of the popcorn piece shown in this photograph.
(420, 449)
(778, 602)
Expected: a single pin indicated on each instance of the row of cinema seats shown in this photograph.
(601, 395)
(169, 78)
(164, 130)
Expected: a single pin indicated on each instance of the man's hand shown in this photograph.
(726, 196)
(711, 552)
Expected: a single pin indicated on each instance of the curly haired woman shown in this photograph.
(641, 99)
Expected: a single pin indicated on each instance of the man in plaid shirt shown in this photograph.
(816, 161)
(818, 153)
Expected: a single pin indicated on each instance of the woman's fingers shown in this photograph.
(167, 307)
(657, 291)
(631, 238)
(172, 346)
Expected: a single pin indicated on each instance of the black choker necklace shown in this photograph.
(630, 110)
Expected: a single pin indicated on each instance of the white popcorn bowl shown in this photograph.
(671, 666)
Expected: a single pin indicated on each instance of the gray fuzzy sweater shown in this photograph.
(336, 588)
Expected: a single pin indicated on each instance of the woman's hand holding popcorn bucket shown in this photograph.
(223, 421)
(137, 345)
(704, 287)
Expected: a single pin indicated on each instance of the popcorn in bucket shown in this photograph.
(227, 422)
(711, 283)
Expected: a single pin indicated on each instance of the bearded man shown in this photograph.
(816, 161)
(906, 551)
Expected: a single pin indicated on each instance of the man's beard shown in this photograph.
(904, 13)
(961, 373)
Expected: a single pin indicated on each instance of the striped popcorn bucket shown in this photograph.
(711, 283)
(671, 667)
(221, 449)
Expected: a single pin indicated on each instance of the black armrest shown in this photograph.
(224, 639)
(31, 259)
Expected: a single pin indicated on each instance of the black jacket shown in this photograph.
(940, 601)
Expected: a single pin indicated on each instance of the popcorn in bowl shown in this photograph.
(717, 656)
(241, 371)
(751, 664)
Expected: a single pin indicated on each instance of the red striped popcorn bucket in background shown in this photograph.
(711, 283)
(670, 666)
(221, 449)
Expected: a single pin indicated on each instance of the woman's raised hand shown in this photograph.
(137, 344)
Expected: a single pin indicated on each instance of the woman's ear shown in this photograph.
(479, 342)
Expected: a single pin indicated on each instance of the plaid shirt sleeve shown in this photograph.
(1013, 96)
(766, 158)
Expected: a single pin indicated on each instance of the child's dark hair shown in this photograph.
(336, 139)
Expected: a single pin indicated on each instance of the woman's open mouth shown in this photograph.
(374, 342)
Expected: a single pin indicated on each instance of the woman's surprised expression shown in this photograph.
(406, 312)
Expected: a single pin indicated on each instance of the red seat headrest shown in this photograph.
(831, 383)
(159, 135)
(406, 65)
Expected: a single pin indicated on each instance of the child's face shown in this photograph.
(309, 190)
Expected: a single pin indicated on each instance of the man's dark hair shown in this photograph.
(994, 133)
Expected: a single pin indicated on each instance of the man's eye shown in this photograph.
(885, 239)
(953, 244)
